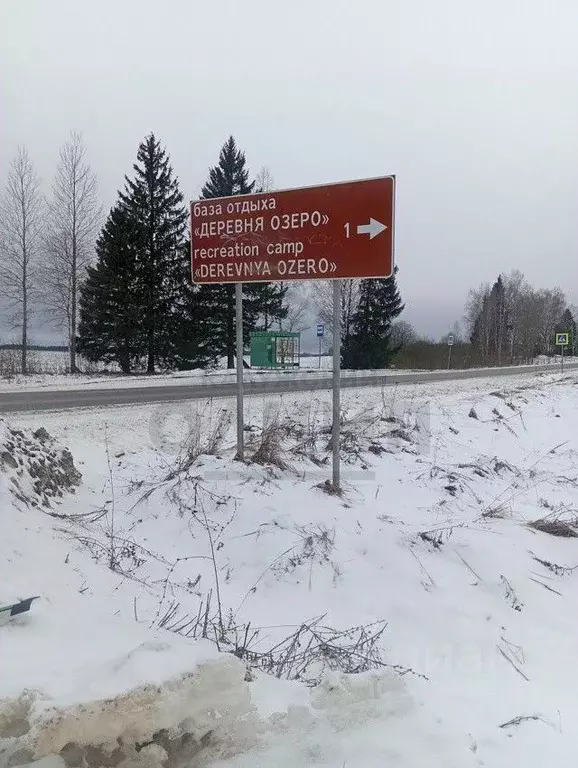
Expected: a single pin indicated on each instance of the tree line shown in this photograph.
(505, 322)
(47, 243)
(120, 286)
(511, 321)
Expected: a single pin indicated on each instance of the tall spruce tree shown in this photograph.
(490, 332)
(266, 304)
(369, 345)
(139, 301)
(188, 323)
(262, 302)
(154, 203)
(110, 329)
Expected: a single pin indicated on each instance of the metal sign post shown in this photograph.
(320, 331)
(562, 341)
(286, 235)
(239, 332)
(336, 427)
(450, 345)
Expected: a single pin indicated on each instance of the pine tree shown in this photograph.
(154, 204)
(110, 327)
(265, 304)
(369, 345)
(262, 302)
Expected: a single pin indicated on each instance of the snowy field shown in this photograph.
(427, 617)
(56, 363)
(49, 372)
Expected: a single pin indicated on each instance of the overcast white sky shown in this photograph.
(474, 106)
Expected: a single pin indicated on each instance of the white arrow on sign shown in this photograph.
(372, 229)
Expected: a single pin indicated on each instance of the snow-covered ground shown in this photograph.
(53, 365)
(45, 363)
(35, 383)
(456, 535)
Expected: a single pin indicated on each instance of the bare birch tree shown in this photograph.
(553, 303)
(475, 306)
(403, 333)
(74, 217)
(21, 209)
(264, 181)
(298, 302)
(323, 301)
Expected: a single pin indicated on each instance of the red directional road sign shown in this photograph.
(312, 233)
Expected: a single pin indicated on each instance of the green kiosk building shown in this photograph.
(275, 349)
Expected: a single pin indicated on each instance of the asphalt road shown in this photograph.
(55, 400)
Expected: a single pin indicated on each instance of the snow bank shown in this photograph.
(76, 679)
(84, 684)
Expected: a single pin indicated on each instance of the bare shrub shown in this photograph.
(317, 545)
(206, 623)
(122, 556)
(305, 655)
(313, 649)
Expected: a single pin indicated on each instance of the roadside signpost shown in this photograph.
(563, 341)
(313, 233)
(240, 366)
(335, 231)
(451, 340)
(320, 332)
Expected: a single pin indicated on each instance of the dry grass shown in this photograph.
(499, 512)
(561, 524)
(328, 488)
(559, 570)
(269, 449)
(437, 537)
(218, 433)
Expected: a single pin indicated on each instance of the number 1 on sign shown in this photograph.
(346, 227)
